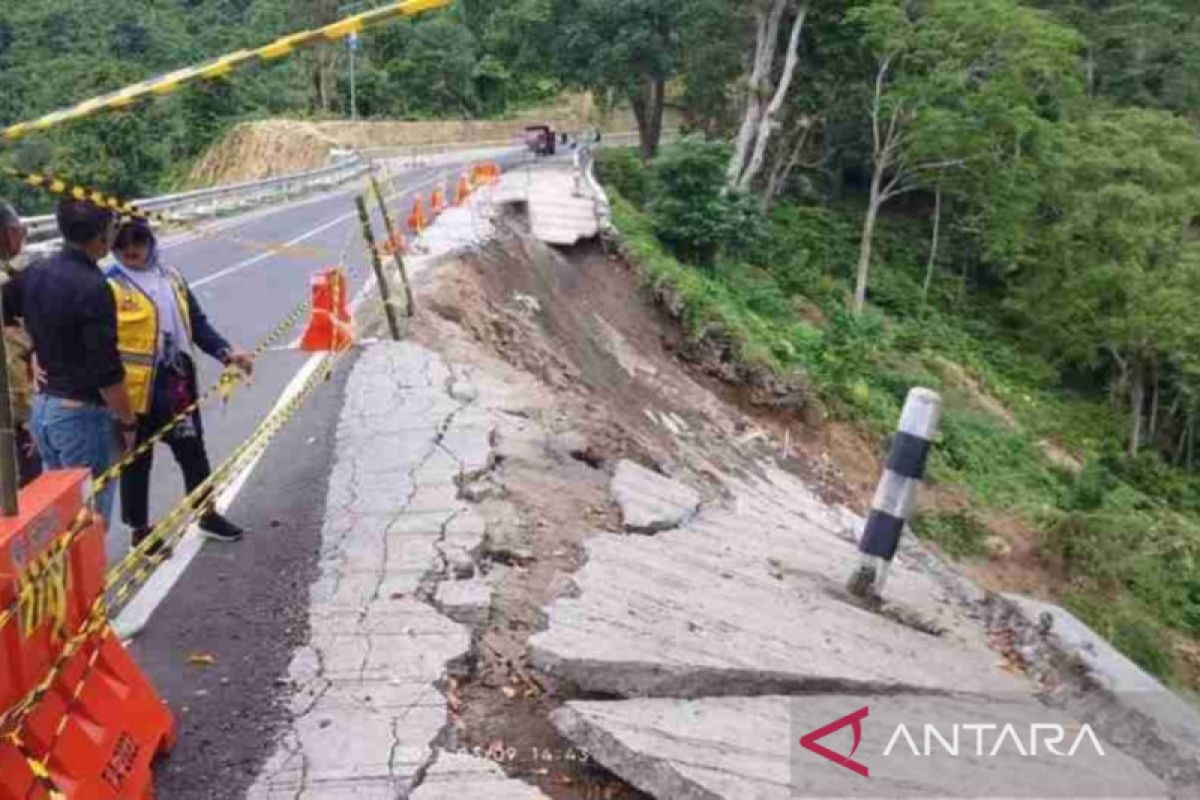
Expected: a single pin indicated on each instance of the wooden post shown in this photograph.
(409, 307)
(384, 293)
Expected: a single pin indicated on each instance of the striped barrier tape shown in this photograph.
(126, 208)
(221, 67)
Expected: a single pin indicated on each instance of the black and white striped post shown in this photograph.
(897, 492)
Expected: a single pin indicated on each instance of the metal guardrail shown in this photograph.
(219, 199)
(348, 165)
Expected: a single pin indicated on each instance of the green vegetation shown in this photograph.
(476, 59)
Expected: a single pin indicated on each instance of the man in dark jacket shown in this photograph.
(69, 314)
(158, 320)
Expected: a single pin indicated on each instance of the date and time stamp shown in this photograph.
(508, 754)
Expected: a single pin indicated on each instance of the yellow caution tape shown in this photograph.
(173, 81)
(128, 208)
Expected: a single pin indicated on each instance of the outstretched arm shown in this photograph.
(213, 343)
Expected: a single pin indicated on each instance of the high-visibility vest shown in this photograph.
(138, 334)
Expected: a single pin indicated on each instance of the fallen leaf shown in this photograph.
(201, 659)
(509, 692)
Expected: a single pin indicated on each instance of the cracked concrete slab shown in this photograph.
(455, 776)
(365, 708)
(734, 748)
(650, 502)
(752, 603)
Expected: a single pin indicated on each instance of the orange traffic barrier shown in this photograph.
(437, 201)
(485, 174)
(78, 719)
(462, 191)
(416, 220)
(329, 327)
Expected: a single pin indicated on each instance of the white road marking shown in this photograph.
(136, 614)
(216, 276)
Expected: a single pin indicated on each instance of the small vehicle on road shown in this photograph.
(541, 139)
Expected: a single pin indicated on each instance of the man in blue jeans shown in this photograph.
(82, 408)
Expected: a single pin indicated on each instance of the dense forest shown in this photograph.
(992, 197)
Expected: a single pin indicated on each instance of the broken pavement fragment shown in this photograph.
(697, 611)
(738, 747)
(650, 502)
(455, 776)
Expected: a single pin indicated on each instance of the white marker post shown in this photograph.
(897, 492)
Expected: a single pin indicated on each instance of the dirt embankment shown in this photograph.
(261, 149)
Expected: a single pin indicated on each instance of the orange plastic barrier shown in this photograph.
(437, 202)
(329, 325)
(485, 174)
(416, 220)
(462, 191)
(78, 719)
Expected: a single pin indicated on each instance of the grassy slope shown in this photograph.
(1124, 558)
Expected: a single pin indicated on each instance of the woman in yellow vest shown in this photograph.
(158, 321)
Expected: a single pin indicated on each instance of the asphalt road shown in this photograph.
(245, 604)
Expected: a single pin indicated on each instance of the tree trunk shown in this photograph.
(784, 165)
(767, 124)
(864, 248)
(649, 106)
(765, 42)
(933, 247)
(1137, 397)
(1154, 397)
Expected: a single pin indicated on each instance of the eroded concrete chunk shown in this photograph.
(736, 747)
(464, 601)
(456, 777)
(650, 502)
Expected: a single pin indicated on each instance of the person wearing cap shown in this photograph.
(158, 322)
(81, 409)
(17, 347)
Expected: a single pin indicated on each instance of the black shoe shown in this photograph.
(157, 550)
(219, 529)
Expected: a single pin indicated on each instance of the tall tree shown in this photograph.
(954, 82)
(765, 93)
(628, 47)
(1119, 268)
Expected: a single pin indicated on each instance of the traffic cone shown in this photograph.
(462, 191)
(437, 203)
(329, 324)
(416, 220)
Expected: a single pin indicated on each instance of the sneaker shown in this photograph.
(219, 529)
(156, 550)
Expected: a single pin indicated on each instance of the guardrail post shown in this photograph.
(897, 491)
(409, 306)
(384, 293)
